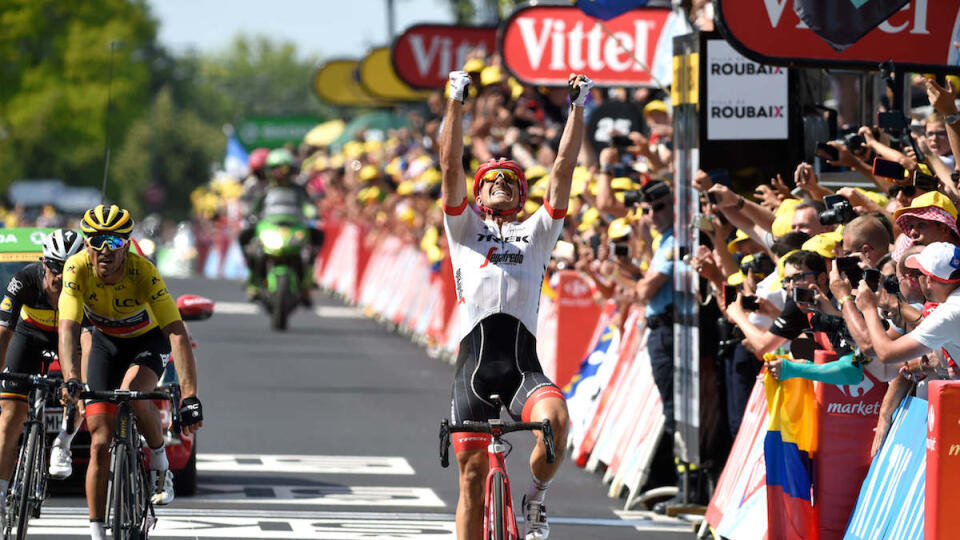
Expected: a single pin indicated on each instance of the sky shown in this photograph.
(321, 28)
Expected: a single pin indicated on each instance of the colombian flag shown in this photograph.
(608, 9)
(789, 447)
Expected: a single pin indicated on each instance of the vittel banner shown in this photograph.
(920, 35)
(544, 44)
(425, 54)
(745, 100)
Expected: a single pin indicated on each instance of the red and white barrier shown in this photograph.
(943, 461)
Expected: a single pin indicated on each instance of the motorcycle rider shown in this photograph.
(281, 197)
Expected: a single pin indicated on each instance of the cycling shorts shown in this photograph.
(27, 353)
(111, 358)
(499, 356)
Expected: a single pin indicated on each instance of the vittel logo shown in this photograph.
(747, 111)
(918, 25)
(579, 48)
(440, 53)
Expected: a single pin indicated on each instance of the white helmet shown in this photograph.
(61, 244)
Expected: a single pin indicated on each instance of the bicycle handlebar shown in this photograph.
(31, 379)
(168, 392)
(495, 428)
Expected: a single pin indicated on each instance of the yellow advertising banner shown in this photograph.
(334, 82)
(379, 79)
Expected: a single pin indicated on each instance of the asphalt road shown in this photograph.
(329, 431)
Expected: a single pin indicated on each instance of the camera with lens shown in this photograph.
(632, 197)
(839, 211)
(835, 329)
(761, 263)
(854, 141)
(891, 284)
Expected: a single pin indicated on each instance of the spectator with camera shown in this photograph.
(930, 218)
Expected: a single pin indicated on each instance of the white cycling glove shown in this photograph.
(459, 81)
(579, 93)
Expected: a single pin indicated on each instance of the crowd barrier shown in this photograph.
(617, 415)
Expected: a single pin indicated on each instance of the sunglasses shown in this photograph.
(936, 134)
(110, 242)
(654, 208)
(492, 175)
(908, 191)
(55, 267)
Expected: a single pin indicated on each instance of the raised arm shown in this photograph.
(451, 142)
(561, 176)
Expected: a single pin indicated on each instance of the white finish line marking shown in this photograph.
(235, 308)
(303, 464)
(319, 495)
(254, 527)
(324, 312)
(339, 312)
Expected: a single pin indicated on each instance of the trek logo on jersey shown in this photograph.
(7, 304)
(481, 237)
(502, 258)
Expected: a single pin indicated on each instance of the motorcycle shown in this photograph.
(282, 242)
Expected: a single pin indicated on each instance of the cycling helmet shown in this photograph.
(61, 244)
(103, 219)
(258, 158)
(278, 157)
(501, 163)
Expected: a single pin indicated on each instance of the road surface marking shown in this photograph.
(235, 308)
(326, 495)
(264, 527)
(338, 312)
(303, 464)
(651, 521)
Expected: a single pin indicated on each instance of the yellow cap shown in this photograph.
(619, 228)
(736, 278)
(732, 245)
(825, 244)
(408, 215)
(491, 75)
(431, 176)
(516, 89)
(588, 219)
(368, 173)
(879, 198)
(530, 207)
(372, 146)
(623, 183)
(337, 161)
(405, 188)
(655, 106)
(534, 173)
(928, 199)
(353, 149)
(474, 65)
(538, 191)
(778, 284)
(783, 217)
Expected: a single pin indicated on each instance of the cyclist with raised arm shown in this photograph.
(136, 325)
(28, 343)
(499, 266)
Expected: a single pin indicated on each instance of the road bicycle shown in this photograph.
(130, 512)
(499, 519)
(28, 487)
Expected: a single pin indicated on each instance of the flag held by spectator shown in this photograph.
(235, 160)
(789, 447)
(842, 22)
(608, 9)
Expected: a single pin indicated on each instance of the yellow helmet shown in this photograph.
(103, 219)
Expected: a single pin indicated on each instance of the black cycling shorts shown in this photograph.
(499, 356)
(27, 353)
(111, 357)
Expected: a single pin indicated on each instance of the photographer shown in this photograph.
(867, 238)
(804, 280)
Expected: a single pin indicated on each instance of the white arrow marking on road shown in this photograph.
(303, 464)
(319, 495)
(214, 527)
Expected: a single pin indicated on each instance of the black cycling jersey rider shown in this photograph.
(28, 343)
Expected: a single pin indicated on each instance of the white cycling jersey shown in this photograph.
(500, 271)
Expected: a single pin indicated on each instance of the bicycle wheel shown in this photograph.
(499, 507)
(121, 500)
(25, 499)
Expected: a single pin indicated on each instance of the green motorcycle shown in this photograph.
(282, 242)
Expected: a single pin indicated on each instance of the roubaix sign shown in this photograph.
(425, 54)
(745, 100)
(544, 44)
(919, 36)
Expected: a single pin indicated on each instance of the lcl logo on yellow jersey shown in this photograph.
(126, 302)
